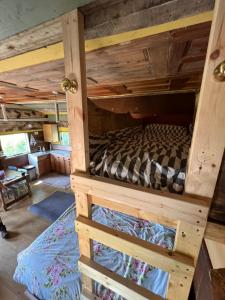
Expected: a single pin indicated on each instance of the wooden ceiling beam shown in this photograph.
(33, 101)
(56, 51)
(146, 93)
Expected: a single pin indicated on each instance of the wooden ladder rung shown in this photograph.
(159, 257)
(114, 282)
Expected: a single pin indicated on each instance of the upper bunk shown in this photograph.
(136, 59)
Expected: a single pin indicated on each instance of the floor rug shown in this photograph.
(57, 180)
(53, 206)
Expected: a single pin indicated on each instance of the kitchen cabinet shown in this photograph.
(67, 166)
(60, 164)
(41, 161)
(51, 134)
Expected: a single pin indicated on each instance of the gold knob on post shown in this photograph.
(219, 71)
(68, 85)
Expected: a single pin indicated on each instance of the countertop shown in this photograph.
(59, 152)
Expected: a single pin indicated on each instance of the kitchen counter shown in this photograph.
(50, 161)
(57, 152)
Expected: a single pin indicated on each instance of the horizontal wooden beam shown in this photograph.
(215, 232)
(33, 101)
(25, 120)
(118, 284)
(19, 131)
(111, 40)
(56, 52)
(131, 211)
(152, 254)
(160, 207)
(145, 93)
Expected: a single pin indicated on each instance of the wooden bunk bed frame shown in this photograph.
(187, 213)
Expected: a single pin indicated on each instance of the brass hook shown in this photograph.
(219, 71)
(68, 85)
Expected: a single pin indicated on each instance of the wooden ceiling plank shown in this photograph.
(107, 17)
(55, 51)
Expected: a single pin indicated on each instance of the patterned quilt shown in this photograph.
(49, 270)
(154, 156)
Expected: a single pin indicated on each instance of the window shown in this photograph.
(64, 138)
(14, 144)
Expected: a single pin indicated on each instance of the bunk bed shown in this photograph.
(185, 214)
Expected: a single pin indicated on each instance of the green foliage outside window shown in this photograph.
(14, 144)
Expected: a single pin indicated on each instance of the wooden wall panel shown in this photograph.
(18, 161)
(101, 121)
(149, 105)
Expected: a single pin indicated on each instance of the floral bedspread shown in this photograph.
(49, 270)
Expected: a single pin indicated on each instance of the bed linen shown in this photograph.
(49, 270)
(152, 156)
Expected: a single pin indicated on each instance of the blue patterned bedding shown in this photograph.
(49, 270)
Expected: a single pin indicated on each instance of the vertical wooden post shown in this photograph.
(209, 132)
(207, 148)
(188, 241)
(75, 69)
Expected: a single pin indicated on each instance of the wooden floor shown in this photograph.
(23, 228)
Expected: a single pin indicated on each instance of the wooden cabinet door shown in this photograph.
(57, 164)
(67, 166)
(53, 164)
(44, 166)
(62, 165)
(50, 133)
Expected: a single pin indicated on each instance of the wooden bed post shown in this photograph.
(209, 131)
(75, 85)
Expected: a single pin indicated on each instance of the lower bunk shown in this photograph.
(49, 266)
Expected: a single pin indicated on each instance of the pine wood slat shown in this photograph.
(115, 282)
(73, 39)
(75, 69)
(152, 254)
(160, 207)
(208, 140)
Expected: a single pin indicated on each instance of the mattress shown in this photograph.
(152, 156)
(49, 266)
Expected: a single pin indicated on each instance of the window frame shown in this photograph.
(28, 150)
